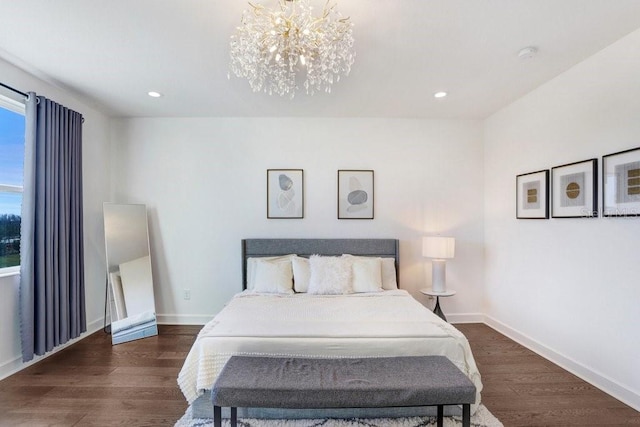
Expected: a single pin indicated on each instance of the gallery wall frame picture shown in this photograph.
(285, 193)
(355, 194)
(574, 191)
(532, 195)
(621, 183)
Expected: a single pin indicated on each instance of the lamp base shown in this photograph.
(438, 275)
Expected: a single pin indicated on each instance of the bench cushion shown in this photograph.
(280, 382)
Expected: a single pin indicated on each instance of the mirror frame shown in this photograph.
(130, 294)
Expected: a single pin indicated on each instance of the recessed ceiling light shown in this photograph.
(440, 94)
(155, 94)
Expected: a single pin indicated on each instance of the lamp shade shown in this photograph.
(438, 247)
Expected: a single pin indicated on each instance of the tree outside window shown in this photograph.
(11, 175)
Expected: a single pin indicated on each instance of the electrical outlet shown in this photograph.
(186, 294)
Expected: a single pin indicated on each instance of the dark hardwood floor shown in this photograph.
(524, 389)
(92, 383)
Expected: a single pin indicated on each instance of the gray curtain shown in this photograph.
(52, 307)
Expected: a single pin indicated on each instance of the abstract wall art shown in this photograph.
(621, 183)
(575, 190)
(532, 195)
(355, 194)
(285, 193)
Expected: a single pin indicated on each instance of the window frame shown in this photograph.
(20, 108)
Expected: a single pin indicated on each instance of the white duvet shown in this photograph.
(389, 323)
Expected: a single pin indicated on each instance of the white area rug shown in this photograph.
(482, 418)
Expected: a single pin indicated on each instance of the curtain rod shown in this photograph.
(14, 90)
(21, 93)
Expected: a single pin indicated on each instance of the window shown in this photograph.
(11, 167)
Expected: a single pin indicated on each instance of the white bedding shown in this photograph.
(388, 323)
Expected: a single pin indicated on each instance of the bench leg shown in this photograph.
(234, 417)
(466, 415)
(217, 416)
(440, 419)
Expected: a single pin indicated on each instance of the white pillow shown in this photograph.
(251, 267)
(329, 275)
(367, 274)
(273, 277)
(301, 273)
(389, 282)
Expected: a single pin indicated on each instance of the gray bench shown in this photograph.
(300, 383)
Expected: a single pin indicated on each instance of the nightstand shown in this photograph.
(430, 292)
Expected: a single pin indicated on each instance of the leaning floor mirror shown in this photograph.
(129, 280)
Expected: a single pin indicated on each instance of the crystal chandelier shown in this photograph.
(277, 49)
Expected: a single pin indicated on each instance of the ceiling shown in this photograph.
(111, 53)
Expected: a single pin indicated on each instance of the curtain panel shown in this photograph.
(52, 295)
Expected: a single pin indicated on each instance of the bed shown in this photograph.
(381, 320)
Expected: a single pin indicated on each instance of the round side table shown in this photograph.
(437, 310)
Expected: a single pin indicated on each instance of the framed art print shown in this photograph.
(285, 193)
(575, 190)
(355, 194)
(621, 183)
(532, 195)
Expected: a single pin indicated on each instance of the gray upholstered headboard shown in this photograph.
(387, 248)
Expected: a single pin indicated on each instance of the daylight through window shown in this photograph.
(11, 167)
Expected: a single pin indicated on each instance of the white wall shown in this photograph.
(204, 183)
(569, 288)
(95, 158)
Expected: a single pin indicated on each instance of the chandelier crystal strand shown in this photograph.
(276, 49)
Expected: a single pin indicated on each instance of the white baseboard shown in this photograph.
(201, 319)
(16, 364)
(183, 319)
(601, 381)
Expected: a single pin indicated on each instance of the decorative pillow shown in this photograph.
(329, 275)
(301, 273)
(389, 282)
(367, 274)
(251, 266)
(273, 277)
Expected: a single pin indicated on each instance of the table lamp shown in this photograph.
(439, 249)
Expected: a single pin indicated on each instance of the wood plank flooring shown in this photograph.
(524, 389)
(93, 383)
